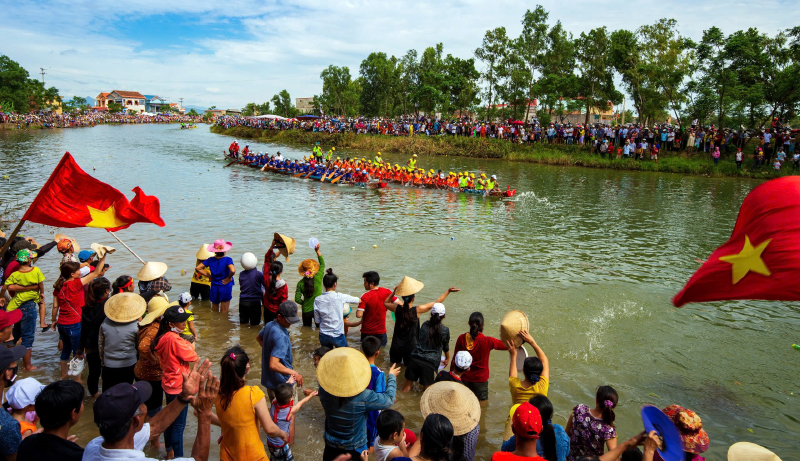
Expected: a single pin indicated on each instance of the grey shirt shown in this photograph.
(118, 343)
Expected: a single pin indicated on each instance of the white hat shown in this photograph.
(249, 261)
(463, 359)
(438, 309)
(494, 176)
(23, 393)
(185, 297)
(85, 271)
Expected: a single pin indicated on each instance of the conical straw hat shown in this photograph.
(288, 247)
(151, 271)
(513, 322)
(746, 451)
(453, 400)
(75, 245)
(125, 307)
(155, 308)
(344, 372)
(203, 253)
(102, 250)
(409, 286)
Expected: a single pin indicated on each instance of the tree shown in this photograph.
(14, 86)
(596, 82)
(429, 94)
(532, 45)
(558, 81)
(192, 113)
(491, 53)
(77, 103)
(114, 107)
(249, 109)
(515, 76)
(283, 104)
(460, 84)
(377, 84)
(336, 96)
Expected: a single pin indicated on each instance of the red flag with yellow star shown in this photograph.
(72, 198)
(761, 260)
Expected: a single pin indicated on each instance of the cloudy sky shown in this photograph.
(228, 53)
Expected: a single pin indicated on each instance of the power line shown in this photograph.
(60, 72)
(43, 72)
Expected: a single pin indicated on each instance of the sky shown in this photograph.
(229, 53)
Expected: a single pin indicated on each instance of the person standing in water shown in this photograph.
(310, 286)
(220, 269)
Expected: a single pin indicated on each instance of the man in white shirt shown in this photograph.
(120, 413)
(329, 315)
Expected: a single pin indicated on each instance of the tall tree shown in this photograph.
(335, 87)
(596, 82)
(558, 81)
(377, 84)
(533, 45)
(283, 104)
(515, 76)
(491, 53)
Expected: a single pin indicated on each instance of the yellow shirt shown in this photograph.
(25, 279)
(200, 278)
(521, 394)
(186, 329)
(241, 440)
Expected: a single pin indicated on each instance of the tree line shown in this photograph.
(744, 78)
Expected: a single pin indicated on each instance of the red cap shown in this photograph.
(527, 421)
(411, 437)
(9, 318)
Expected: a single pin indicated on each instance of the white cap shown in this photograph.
(438, 309)
(494, 176)
(23, 393)
(463, 359)
(85, 271)
(185, 298)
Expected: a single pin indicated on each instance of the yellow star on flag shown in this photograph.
(104, 219)
(747, 260)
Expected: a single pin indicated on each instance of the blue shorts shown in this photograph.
(220, 293)
(28, 323)
(332, 342)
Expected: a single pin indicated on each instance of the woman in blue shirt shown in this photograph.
(220, 270)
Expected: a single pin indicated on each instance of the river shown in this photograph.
(592, 256)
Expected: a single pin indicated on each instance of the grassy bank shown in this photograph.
(566, 155)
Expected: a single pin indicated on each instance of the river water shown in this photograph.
(592, 256)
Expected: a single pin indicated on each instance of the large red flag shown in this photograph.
(761, 260)
(72, 198)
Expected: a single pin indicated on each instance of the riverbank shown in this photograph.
(39, 126)
(565, 155)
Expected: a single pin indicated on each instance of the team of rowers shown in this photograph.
(325, 166)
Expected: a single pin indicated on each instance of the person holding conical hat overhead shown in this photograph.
(220, 269)
(406, 327)
(310, 285)
(201, 284)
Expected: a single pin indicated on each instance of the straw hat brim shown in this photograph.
(203, 253)
(102, 250)
(746, 451)
(409, 286)
(75, 246)
(125, 307)
(308, 265)
(156, 308)
(151, 271)
(513, 322)
(289, 244)
(455, 401)
(226, 247)
(343, 372)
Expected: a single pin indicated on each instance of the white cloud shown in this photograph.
(276, 45)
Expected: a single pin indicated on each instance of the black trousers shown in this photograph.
(308, 317)
(114, 376)
(269, 316)
(250, 311)
(331, 453)
(200, 291)
(95, 368)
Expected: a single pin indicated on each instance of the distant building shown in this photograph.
(304, 105)
(153, 103)
(131, 101)
(177, 106)
(101, 101)
(214, 112)
(529, 114)
(232, 112)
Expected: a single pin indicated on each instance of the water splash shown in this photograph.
(597, 328)
(531, 197)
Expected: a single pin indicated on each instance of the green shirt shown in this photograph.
(308, 303)
(25, 279)
(490, 184)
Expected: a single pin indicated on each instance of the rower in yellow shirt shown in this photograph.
(481, 184)
(412, 162)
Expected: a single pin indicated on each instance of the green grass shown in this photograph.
(565, 155)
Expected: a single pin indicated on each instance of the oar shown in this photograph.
(322, 179)
(336, 179)
(298, 174)
(226, 166)
(309, 174)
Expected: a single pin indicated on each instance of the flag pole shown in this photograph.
(10, 238)
(126, 246)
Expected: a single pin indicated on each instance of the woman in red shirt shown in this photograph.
(479, 346)
(68, 302)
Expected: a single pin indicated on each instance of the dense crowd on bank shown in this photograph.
(74, 120)
(614, 140)
(137, 351)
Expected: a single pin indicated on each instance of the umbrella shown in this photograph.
(308, 117)
(516, 122)
(335, 120)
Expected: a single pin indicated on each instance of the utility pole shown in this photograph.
(43, 72)
(181, 106)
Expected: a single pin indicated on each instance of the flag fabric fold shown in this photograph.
(761, 260)
(73, 198)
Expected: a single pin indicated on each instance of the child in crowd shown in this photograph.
(189, 333)
(462, 360)
(391, 440)
(654, 152)
(21, 399)
(282, 411)
(589, 429)
(26, 285)
(317, 355)
(371, 347)
(251, 293)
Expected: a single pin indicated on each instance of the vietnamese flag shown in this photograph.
(72, 198)
(761, 260)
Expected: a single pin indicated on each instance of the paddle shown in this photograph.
(336, 179)
(298, 174)
(322, 179)
(309, 174)
(226, 166)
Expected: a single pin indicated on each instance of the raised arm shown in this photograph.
(98, 269)
(613, 455)
(423, 308)
(539, 353)
(388, 304)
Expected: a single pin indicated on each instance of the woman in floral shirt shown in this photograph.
(591, 428)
